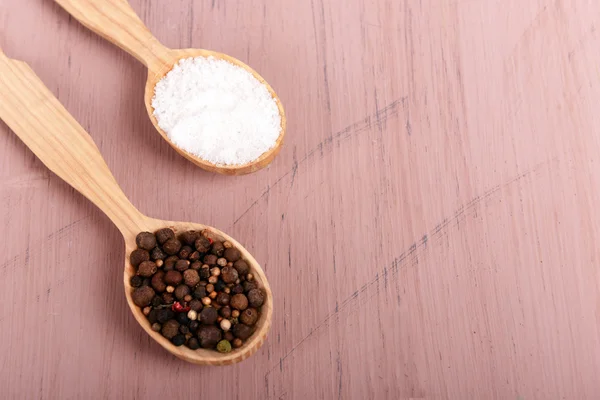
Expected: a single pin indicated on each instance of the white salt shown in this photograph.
(217, 111)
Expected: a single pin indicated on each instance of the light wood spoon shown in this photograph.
(54, 136)
(116, 21)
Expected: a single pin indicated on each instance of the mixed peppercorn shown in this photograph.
(195, 291)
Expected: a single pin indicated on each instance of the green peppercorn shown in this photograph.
(142, 296)
(172, 246)
(138, 256)
(136, 281)
(164, 234)
(224, 346)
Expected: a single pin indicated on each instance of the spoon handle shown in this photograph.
(46, 127)
(116, 21)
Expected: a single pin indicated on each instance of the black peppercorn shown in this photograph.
(225, 312)
(164, 315)
(223, 299)
(153, 316)
(237, 289)
(248, 286)
(210, 259)
(184, 329)
(194, 325)
(138, 256)
(208, 316)
(190, 237)
(217, 249)
(182, 318)
(145, 240)
(182, 265)
(200, 292)
(172, 246)
(202, 244)
(256, 298)
(157, 301)
(146, 282)
(157, 282)
(229, 274)
(170, 328)
(170, 262)
(185, 252)
(204, 273)
(168, 298)
(173, 278)
(193, 344)
(147, 269)
(209, 336)
(219, 286)
(249, 316)
(232, 254)
(142, 296)
(157, 254)
(178, 340)
(228, 336)
(164, 234)
(242, 331)
(136, 281)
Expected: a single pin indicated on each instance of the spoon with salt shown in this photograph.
(54, 136)
(116, 21)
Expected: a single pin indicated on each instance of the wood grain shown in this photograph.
(429, 230)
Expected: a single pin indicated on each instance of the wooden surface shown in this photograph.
(429, 230)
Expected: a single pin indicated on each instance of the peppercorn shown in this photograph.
(147, 269)
(181, 291)
(194, 325)
(142, 296)
(209, 336)
(213, 295)
(221, 262)
(157, 301)
(237, 289)
(187, 298)
(239, 301)
(235, 313)
(190, 237)
(172, 246)
(223, 299)
(229, 274)
(204, 272)
(249, 277)
(178, 340)
(230, 264)
(202, 244)
(138, 256)
(182, 265)
(156, 327)
(192, 315)
(173, 278)
(199, 292)
(216, 271)
(167, 297)
(228, 336)
(195, 305)
(188, 336)
(193, 344)
(237, 281)
(195, 256)
(227, 245)
(191, 277)
(237, 343)
(159, 263)
(158, 254)
(208, 316)
(170, 329)
(210, 259)
(183, 329)
(242, 331)
(182, 318)
(225, 312)
(227, 290)
(152, 317)
(213, 280)
(145, 240)
(146, 282)
(217, 249)
(146, 310)
(225, 325)
(206, 301)
(170, 289)
(249, 316)
(210, 288)
(164, 234)
(136, 281)
(248, 286)
(224, 346)
(196, 265)
(219, 286)
(232, 254)
(170, 263)
(256, 298)
(185, 252)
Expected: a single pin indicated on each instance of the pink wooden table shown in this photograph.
(430, 230)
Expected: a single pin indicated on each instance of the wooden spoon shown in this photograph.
(54, 136)
(115, 21)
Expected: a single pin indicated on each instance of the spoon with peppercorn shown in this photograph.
(116, 21)
(54, 136)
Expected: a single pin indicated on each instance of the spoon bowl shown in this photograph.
(54, 136)
(116, 21)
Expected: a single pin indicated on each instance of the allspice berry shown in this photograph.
(195, 256)
(145, 240)
(138, 256)
(172, 246)
(181, 291)
(248, 286)
(157, 254)
(249, 316)
(256, 298)
(164, 234)
(167, 297)
(142, 296)
(208, 316)
(170, 262)
(209, 336)
(200, 292)
(223, 299)
(191, 277)
(182, 265)
(173, 278)
(147, 269)
(225, 312)
(190, 237)
(239, 302)
(229, 274)
(196, 265)
(202, 244)
(157, 282)
(242, 331)
(136, 281)
(232, 254)
(241, 267)
(217, 249)
(237, 289)
(185, 252)
(170, 329)
(210, 259)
